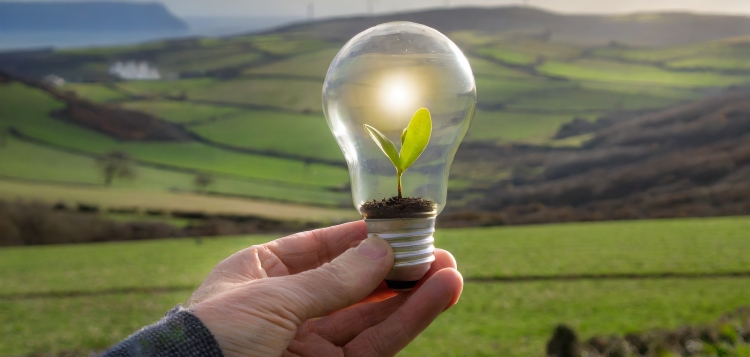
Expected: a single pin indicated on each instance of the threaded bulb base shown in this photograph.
(413, 249)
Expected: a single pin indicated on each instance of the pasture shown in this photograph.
(252, 104)
(65, 153)
(250, 107)
(600, 278)
(107, 198)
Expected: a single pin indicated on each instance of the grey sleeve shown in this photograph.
(178, 334)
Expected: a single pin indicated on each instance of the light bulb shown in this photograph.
(381, 79)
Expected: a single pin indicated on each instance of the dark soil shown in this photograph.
(394, 207)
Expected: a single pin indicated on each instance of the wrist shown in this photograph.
(242, 333)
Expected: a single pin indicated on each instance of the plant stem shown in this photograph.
(399, 173)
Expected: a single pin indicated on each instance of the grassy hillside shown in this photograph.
(252, 103)
(65, 153)
(265, 130)
(113, 199)
(688, 160)
(645, 29)
(90, 296)
(563, 102)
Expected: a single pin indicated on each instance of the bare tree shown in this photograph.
(116, 164)
(203, 180)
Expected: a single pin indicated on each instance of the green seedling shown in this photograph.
(414, 140)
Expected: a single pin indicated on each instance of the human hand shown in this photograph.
(320, 293)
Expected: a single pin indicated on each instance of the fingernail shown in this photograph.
(373, 248)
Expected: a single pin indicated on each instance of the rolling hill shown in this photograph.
(246, 109)
(570, 125)
(690, 160)
(652, 29)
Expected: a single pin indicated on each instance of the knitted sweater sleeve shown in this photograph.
(178, 334)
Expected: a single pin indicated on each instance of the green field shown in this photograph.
(68, 157)
(67, 297)
(262, 129)
(507, 127)
(725, 54)
(313, 65)
(255, 101)
(107, 198)
(182, 113)
(505, 56)
(70, 168)
(97, 93)
(289, 94)
(251, 105)
(605, 71)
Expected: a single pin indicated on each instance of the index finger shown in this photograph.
(309, 250)
(400, 328)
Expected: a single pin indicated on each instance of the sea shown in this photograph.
(198, 27)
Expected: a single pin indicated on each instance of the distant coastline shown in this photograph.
(76, 39)
(87, 16)
(35, 26)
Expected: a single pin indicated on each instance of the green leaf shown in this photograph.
(417, 136)
(403, 136)
(384, 144)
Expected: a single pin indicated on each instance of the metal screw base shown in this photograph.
(412, 243)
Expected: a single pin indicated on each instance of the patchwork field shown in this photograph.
(60, 152)
(107, 198)
(252, 107)
(248, 137)
(521, 282)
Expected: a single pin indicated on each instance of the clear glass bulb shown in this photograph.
(381, 77)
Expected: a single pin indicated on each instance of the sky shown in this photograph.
(329, 8)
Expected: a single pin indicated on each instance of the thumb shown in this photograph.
(343, 282)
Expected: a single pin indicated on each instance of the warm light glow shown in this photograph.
(398, 94)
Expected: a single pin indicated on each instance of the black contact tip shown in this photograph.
(397, 285)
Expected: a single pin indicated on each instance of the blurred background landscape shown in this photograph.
(124, 121)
